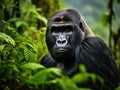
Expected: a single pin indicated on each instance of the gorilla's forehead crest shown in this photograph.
(66, 15)
(70, 15)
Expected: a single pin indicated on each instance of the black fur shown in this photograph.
(86, 49)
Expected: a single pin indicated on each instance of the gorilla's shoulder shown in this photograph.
(94, 49)
(94, 43)
(93, 40)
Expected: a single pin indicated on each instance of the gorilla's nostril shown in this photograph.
(64, 41)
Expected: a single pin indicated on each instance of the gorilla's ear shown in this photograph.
(81, 26)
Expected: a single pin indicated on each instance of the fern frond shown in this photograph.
(6, 38)
(30, 56)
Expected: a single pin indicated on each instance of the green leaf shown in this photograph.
(55, 71)
(44, 76)
(1, 47)
(30, 55)
(66, 84)
(118, 88)
(40, 17)
(32, 66)
(30, 47)
(79, 78)
(6, 38)
(82, 68)
(95, 78)
(83, 77)
(38, 78)
(19, 22)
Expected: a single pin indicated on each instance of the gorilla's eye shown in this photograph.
(68, 29)
(54, 30)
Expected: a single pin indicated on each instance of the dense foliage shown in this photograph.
(22, 45)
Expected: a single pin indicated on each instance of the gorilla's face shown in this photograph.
(63, 36)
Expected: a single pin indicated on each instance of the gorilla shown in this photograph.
(71, 42)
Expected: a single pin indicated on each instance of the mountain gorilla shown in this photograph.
(71, 42)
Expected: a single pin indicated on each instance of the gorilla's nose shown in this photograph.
(61, 42)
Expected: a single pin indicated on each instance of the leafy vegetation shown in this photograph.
(22, 45)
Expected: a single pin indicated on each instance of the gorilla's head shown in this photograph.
(65, 31)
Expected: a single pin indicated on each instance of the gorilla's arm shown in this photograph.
(97, 58)
(48, 61)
